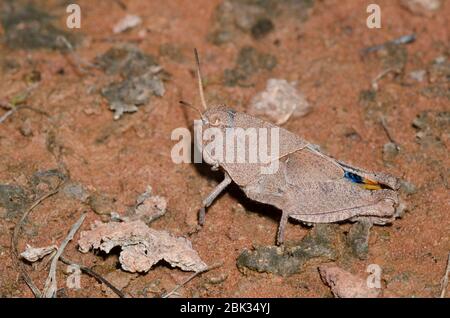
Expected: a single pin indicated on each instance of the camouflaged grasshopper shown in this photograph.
(308, 186)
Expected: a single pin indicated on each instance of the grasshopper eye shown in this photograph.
(214, 121)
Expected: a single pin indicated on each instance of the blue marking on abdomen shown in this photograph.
(353, 177)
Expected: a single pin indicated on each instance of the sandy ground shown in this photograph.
(315, 43)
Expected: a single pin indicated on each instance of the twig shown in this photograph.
(78, 62)
(50, 287)
(14, 109)
(15, 237)
(444, 281)
(386, 130)
(97, 276)
(379, 77)
(7, 114)
(187, 280)
(405, 39)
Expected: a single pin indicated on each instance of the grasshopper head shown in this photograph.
(219, 117)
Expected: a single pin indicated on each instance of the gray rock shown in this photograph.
(76, 191)
(407, 187)
(13, 199)
(358, 239)
(390, 151)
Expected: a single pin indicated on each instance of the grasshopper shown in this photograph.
(308, 186)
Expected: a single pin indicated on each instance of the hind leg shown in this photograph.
(211, 197)
(281, 227)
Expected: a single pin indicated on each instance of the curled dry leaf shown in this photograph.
(142, 247)
(33, 254)
(279, 102)
(346, 285)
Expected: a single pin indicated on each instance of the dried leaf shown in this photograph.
(126, 96)
(142, 78)
(346, 285)
(33, 254)
(142, 247)
(149, 207)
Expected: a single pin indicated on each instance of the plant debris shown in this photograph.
(148, 207)
(279, 102)
(15, 239)
(92, 273)
(141, 246)
(391, 45)
(101, 203)
(142, 78)
(33, 254)
(444, 280)
(346, 285)
(51, 286)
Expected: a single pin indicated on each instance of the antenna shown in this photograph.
(200, 82)
(182, 102)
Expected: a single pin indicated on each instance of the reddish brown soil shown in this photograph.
(321, 53)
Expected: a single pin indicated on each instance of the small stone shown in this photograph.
(421, 7)
(346, 285)
(261, 28)
(216, 280)
(352, 134)
(390, 151)
(101, 204)
(418, 75)
(128, 22)
(440, 59)
(401, 209)
(279, 101)
(26, 129)
(76, 191)
(407, 187)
